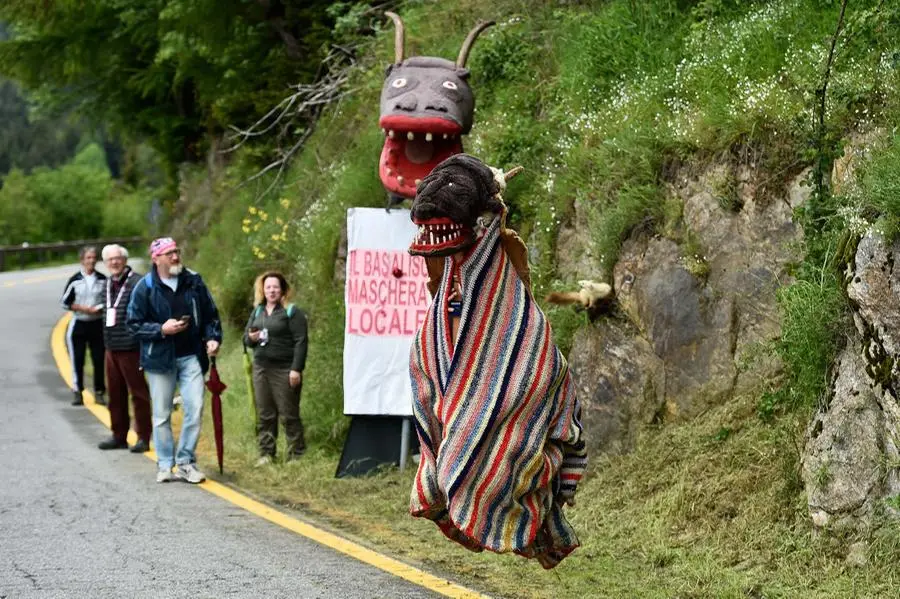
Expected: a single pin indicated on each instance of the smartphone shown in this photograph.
(186, 318)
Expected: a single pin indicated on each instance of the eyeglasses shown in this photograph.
(172, 252)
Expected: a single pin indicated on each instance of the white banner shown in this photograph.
(386, 299)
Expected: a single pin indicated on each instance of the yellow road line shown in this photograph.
(354, 550)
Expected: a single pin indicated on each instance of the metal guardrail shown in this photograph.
(45, 251)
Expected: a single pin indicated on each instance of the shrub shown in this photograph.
(814, 314)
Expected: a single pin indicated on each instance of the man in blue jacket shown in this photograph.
(174, 317)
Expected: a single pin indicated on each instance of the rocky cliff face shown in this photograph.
(851, 466)
(690, 319)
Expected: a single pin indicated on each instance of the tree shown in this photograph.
(165, 71)
(26, 142)
(56, 204)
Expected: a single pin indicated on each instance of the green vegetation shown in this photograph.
(876, 198)
(167, 72)
(26, 142)
(78, 200)
(604, 103)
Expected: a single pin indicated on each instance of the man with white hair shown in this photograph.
(123, 368)
(177, 323)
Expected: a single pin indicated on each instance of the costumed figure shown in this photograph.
(426, 105)
(494, 404)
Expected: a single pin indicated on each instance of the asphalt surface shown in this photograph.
(79, 522)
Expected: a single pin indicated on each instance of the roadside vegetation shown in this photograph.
(603, 102)
(78, 200)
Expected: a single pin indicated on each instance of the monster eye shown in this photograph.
(398, 83)
(450, 85)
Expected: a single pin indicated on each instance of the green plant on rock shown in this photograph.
(823, 476)
(724, 188)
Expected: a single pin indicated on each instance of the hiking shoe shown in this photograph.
(164, 476)
(189, 473)
(78, 400)
(264, 460)
(112, 443)
(100, 398)
(140, 447)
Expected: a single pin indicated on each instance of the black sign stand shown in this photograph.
(372, 443)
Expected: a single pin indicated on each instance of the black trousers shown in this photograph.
(81, 335)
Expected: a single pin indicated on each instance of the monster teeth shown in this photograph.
(431, 238)
(389, 172)
(410, 136)
(428, 137)
(417, 181)
(384, 131)
(391, 134)
(400, 180)
(445, 136)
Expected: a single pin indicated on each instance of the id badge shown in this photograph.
(110, 317)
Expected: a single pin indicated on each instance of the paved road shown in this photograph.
(79, 522)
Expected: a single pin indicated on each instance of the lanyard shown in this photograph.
(119, 297)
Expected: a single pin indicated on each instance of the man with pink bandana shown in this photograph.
(174, 317)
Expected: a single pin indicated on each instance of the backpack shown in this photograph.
(290, 308)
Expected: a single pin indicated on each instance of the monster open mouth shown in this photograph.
(440, 237)
(413, 146)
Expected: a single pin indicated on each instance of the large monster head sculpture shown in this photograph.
(426, 105)
(450, 203)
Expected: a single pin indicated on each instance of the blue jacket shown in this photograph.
(148, 309)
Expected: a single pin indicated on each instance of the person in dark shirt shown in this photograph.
(277, 332)
(123, 369)
(174, 317)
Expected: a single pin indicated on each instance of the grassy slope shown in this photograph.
(597, 101)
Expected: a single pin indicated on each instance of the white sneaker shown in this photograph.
(189, 473)
(264, 461)
(164, 476)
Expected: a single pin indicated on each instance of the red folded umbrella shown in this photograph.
(216, 386)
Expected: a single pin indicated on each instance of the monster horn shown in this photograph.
(513, 172)
(398, 36)
(470, 39)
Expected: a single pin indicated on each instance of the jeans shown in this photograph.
(189, 377)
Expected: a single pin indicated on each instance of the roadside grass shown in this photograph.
(711, 508)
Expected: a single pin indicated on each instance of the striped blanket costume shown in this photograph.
(496, 415)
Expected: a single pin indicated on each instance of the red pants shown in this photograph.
(124, 374)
